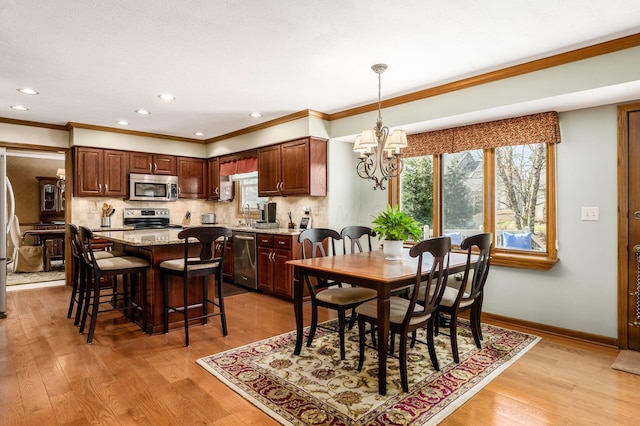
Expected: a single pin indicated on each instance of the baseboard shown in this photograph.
(559, 331)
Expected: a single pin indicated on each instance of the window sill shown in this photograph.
(525, 261)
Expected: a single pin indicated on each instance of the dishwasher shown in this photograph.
(245, 262)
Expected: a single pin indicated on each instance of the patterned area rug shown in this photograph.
(56, 273)
(318, 388)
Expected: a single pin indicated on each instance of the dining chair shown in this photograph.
(407, 315)
(470, 294)
(79, 271)
(110, 268)
(203, 266)
(353, 235)
(25, 258)
(327, 293)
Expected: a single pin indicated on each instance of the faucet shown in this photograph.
(247, 212)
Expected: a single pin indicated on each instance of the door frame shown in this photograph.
(623, 228)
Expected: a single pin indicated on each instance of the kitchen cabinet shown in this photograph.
(52, 199)
(192, 174)
(296, 167)
(227, 263)
(157, 164)
(213, 169)
(100, 172)
(274, 275)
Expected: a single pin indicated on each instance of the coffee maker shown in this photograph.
(267, 212)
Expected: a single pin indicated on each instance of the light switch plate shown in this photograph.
(590, 213)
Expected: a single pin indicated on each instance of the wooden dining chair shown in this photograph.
(470, 294)
(407, 315)
(353, 235)
(110, 268)
(205, 265)
(330, 294)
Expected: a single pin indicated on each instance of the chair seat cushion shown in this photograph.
(122, 262)
(398, 310)
(448, 297)
(178, 264)
(101, 254)
(346, 295)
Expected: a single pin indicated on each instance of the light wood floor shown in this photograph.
(49, 375)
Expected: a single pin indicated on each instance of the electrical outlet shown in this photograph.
(590, 213)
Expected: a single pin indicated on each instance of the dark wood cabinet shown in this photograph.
(227, 263)
(157, 164)
(52, 199)
(296, 167)
(213, 171)
(274, 275)
(100, 172)
(192, 173)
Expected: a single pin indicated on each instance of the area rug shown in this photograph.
(628, 361)
(56, 273)
(318, 388)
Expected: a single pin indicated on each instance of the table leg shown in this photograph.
(46, 263)
(297, 308)
(384, 308)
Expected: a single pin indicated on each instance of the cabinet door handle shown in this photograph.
(155, 167)
(150, 167)
(217, 192)
(106, 187)
(281, 186)
(273, 256)
(100, 187)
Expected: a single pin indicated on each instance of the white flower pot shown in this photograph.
(392, 250)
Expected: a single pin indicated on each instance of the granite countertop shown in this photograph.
(156, 237)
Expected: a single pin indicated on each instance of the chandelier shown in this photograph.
(379, 150)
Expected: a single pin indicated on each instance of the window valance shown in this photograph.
(536, 128)
(242, 165)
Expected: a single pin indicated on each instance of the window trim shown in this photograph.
(500, 256)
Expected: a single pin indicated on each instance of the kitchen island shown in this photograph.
(158, 245)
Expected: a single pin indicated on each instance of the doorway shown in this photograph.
(629, 227)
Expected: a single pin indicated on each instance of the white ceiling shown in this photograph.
(97, 62)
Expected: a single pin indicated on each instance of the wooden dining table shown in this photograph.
(45, 235)
(369, 270)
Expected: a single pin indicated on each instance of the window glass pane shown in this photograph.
(416, 190)
(249, 192)
(521, 222)
(462, 195)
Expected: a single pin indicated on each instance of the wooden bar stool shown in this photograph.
(207, 264)
(110, 267)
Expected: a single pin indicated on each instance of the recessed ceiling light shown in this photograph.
(143, 112)
(27, 91)
(255, 115)
(167, 97)
(122, 122)
(20, 107)
(199, 134)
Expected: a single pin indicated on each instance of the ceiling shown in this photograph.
(97, 62)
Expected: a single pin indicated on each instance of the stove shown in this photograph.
(148, 218)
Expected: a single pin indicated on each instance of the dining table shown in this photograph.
(45, 235)
(371, 270)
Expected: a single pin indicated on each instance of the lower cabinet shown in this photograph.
(274, 275)
(227, 263)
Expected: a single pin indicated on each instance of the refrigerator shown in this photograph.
(7, 210)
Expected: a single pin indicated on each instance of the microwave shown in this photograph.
(153, 187)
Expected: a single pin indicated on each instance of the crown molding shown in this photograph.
(71, 125)
(33, 124)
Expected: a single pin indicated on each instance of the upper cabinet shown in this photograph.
(192, 175)
(157, 164)
(51, 199)
(100, 172)
(297, 167)
(213, 186)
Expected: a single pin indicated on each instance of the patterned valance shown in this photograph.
(536, 128)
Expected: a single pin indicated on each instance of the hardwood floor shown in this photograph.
(49, 375)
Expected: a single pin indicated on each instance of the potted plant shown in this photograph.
(396, 227)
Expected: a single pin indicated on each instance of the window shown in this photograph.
(247, 193)
(501, 190)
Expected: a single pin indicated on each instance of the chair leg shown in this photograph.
(185, 285)
(361, 334)
(476, 330)
(431, 345)
(94, 308)
(352, 319)
(403, 362)
(89, 290)
(165, 301)
(205, 298)
(74, 290)
(341, 326)
(223, 315)
(314, 322)
(453, 336)
(82, 290)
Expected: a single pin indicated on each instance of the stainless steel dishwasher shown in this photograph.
(245, 262)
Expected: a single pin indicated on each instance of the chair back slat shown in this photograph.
(207, 236)
(313, 242)
(435, 282)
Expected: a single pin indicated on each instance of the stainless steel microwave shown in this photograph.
(153, 187)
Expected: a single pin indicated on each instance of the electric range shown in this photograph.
(149, 218)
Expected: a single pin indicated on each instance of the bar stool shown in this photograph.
(110, 267)
(203, 266)
(79, 272)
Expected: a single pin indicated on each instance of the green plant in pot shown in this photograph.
(396, 227)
